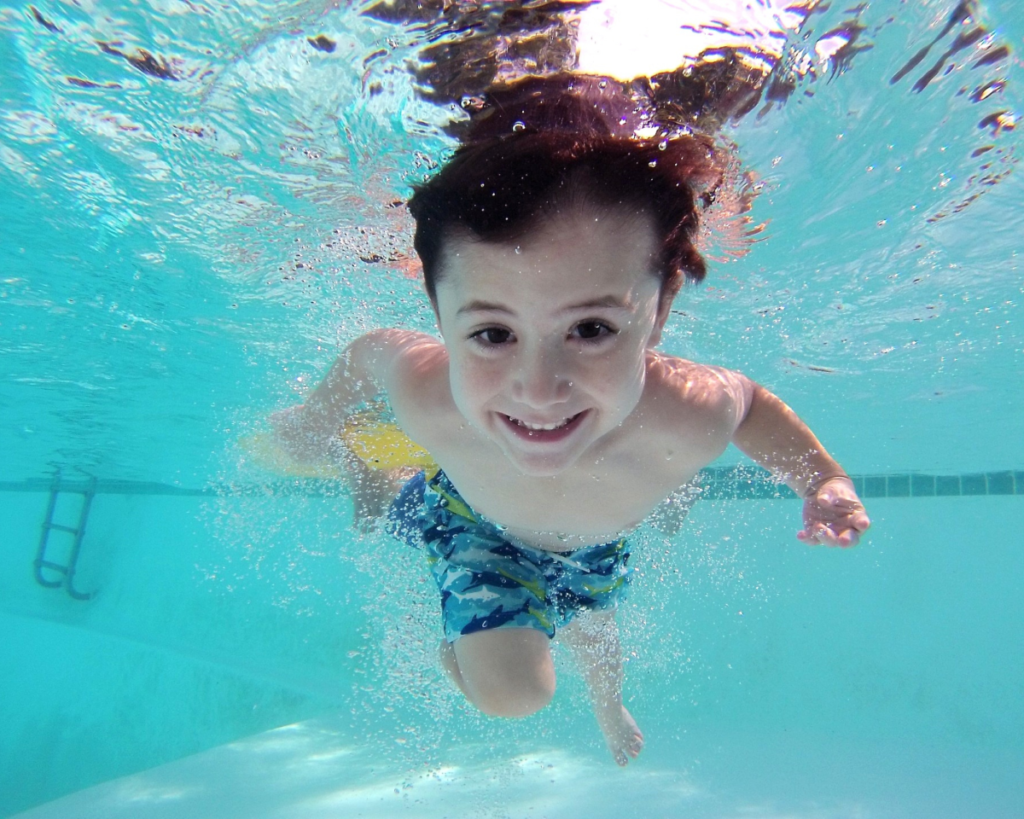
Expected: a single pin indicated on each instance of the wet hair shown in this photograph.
(500, 189)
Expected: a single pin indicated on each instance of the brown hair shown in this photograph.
(498, 189)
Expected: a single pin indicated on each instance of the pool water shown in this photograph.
(182, 256)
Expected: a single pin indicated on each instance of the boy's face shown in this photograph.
(547, 339)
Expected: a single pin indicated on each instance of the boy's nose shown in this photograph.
(541, 380)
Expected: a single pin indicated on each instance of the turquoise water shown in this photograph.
(182, 256)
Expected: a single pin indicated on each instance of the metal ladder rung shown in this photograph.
(49, 564)
(73, 530)
(66, 569)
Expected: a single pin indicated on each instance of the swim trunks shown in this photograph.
(486, 581)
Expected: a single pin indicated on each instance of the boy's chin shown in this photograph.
(540, 465)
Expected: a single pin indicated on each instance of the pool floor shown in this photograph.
(316, 770)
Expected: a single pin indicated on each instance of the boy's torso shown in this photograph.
(684, 420)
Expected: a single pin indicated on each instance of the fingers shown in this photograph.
(861, 522)
(820, 534)
(847, 539)
(833, 519)
(841, 503)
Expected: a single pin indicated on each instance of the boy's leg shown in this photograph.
(505, 672)
(593, 637)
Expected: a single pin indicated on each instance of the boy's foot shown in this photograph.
(624, 738)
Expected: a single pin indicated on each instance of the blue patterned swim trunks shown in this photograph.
(488, 582)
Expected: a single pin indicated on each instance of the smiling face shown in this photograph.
(547, 338)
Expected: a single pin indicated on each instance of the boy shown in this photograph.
(551, 261)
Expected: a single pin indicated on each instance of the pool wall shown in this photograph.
(167, 659)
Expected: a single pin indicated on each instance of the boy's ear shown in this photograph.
(664, 309)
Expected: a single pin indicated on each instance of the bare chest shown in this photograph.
(594, 502)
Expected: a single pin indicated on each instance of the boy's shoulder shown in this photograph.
(692, 380)
(412, 348)
(417, 383)
(411, 359)
(694, 396)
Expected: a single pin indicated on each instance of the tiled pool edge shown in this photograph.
(717, 483)
(742, 483)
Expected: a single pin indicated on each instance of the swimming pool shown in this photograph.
(182, 256)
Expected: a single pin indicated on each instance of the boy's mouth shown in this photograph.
(549, 432)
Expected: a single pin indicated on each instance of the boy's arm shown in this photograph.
(361, 373)
(775, 437)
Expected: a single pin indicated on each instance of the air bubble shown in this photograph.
(518, 125)
(663, 145)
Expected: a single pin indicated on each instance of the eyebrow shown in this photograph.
(604, 302)
(482, 307)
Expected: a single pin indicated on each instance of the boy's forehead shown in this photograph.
(590, 254)
(587, 231)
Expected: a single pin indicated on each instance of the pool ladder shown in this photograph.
(67, 570)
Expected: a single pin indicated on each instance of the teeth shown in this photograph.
(539, 427)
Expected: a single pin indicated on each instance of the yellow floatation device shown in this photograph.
(377, 443)
(383, 445)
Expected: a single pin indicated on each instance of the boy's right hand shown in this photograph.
(304, 436)
(286, 424)
(834, 515)
(372, 490)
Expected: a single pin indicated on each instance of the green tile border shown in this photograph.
(923, 486)
(1000, 483)
(874, 486)
(897, 486)
(717, 483)
(973, 484)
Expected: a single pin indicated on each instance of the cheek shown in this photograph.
(632, 373)
(632, 384)
(619, 378)
(473, 380)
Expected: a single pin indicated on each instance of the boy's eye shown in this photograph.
(494, 336)
(591, 330)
